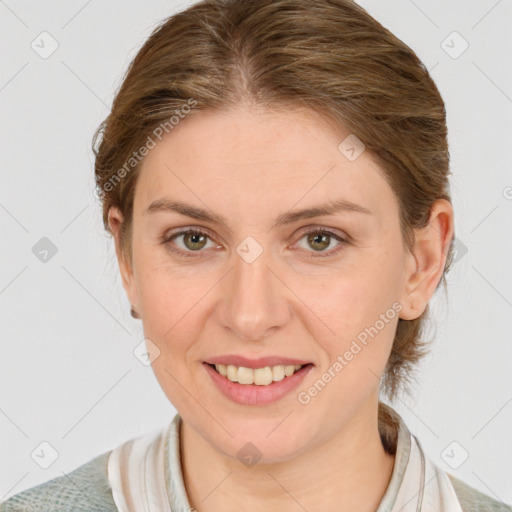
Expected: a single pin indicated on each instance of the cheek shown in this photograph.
(162, 287)
(356, 313)
(353, 298)
(171, 309)
(170, 305)
(176, 303)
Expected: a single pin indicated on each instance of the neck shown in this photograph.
(350, 471)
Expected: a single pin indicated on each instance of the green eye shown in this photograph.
(320, 239)
(193, 241)
(197, 240)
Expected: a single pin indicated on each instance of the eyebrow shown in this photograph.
(329, 208)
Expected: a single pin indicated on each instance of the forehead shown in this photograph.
(269, 158)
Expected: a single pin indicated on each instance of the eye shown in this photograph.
(319, 239)
(193, 240)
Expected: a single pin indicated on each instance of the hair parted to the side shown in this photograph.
(330, 56)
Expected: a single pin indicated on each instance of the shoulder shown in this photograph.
(472, 500)
(86, 489)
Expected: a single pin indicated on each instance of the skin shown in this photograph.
(250, 165)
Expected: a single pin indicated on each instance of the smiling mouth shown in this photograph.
(258, 376)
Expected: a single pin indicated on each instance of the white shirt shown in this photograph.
(145, 476)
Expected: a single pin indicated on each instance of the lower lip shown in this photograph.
(251, 394)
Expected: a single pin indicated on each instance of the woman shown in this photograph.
(275, 177)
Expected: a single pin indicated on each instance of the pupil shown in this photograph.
(195, 238)
(320, 238)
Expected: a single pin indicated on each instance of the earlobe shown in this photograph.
(427, 259)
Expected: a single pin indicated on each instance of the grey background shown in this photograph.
(68, 375)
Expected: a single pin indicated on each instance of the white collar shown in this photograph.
(146, 476)
(416, 484)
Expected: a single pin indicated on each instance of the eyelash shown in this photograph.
(189, 254)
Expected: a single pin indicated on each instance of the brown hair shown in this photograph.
(327, 55)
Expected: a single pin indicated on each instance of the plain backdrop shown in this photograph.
(71, 387)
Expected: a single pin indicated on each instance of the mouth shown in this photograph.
(263, 376)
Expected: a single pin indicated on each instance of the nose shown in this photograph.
(254, 301)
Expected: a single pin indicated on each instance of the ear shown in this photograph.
(426, 261)
(115, 220)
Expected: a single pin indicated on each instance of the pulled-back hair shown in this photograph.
(330, 56)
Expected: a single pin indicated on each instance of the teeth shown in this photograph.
(258, 376)
(232, 373)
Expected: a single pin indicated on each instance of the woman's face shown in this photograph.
(267, 276)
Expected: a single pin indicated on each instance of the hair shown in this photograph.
(329, 56)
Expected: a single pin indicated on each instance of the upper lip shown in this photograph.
(260, 362)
